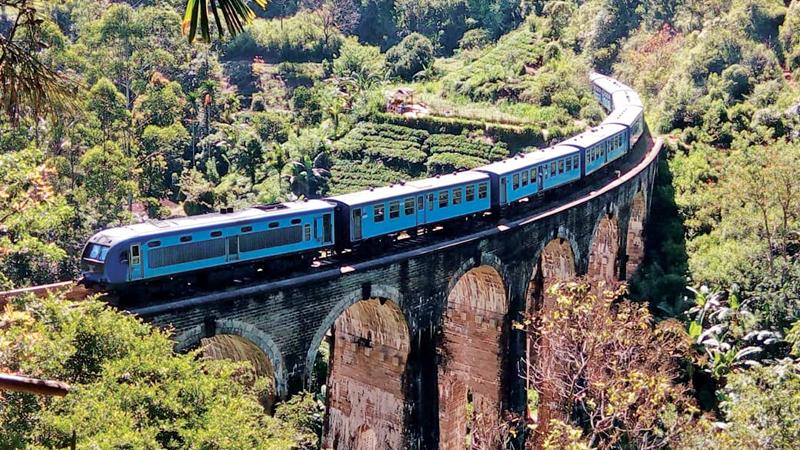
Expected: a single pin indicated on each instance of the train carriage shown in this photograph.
(631, 117)
(600, 146)
(611, 93)
(159, 249)
(389, 210)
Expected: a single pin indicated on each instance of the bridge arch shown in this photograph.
(604, 250)
(474, 336)
(366, 387)
(634, 241)
(192, 338)
(376, 291)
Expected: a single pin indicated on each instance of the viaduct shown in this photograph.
(416, 335)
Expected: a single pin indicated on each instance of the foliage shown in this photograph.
(303, 37)
(131, 389)
(413, 54)
(604, 368)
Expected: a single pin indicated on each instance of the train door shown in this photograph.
(503, 190)
(327, 229)
(233, 248)
(136, 267)
(420, 210)
(357, 224)
(540, 178)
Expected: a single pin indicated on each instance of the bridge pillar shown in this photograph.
(470, 370)
(556, 264)
(604, 251)
(366, 390)
(634, 246)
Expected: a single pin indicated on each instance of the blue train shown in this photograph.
(298, 231)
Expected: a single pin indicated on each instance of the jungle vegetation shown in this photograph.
(111, 115)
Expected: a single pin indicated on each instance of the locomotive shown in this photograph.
(156, 250)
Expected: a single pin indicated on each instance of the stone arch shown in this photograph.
(194, 336)
(556, 263)
(634, 242)
(366, 377)
(604, 250)
(376, 291)
(472, 348)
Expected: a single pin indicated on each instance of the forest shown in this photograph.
(132, 121)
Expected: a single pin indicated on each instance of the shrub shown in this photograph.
(411, 55)
(472, 39)
(361, 62)
(299, 38)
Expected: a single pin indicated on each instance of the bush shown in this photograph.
(411, 55)
(472, 39)
(361, 62)
(300, 38)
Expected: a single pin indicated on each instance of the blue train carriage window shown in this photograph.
(421, 203)
(408, 206)
(307, 232)
(394, 209)
(561, 166)
(515, 182)
(378, 213)
(575, 162)
(482, 191)
(569, 164)
(524, 178)
(470, 192)
(553, 169)
(430, 201)
(444, 199)
(457, 192)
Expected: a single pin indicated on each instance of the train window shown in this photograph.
(444, 199)
(482, 190)
(296, 221)
(249, 229)
(378, 213)
(186, 238)
(533, 175)
(430, 201)
(307, 232)
(525, 178)
(569, 164)
(545, 173)
(561, 166)
(394, 209)
(470, 192)
(420, 203)
(575, 162)
(153, 244)
(274, 225)
(515, 183)
(216, 234)
(553, 168)
(457, 193)
(409, 206)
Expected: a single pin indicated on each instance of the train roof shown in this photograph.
(521, 162)
(626, 97)
(624, 116)
(593, 136)
(408, 188)
(159, 227)
(608, 84)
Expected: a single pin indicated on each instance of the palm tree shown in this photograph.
(306, 180)
(235, 13)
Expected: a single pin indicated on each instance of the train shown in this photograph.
(153, 251)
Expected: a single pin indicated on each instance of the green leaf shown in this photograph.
(695, 329)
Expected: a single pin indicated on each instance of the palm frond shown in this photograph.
(235, 13)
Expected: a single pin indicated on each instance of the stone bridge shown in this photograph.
(415, 336)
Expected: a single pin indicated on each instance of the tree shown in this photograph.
(132, 390)
(364, 64)
(108, 182)
(109, 105)
(411, 55)
(607, 378)
(29, 86)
